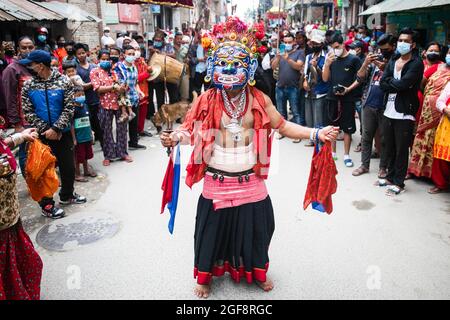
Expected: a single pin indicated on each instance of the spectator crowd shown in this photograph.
(71, 96)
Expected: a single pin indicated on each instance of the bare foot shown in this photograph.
(202, 291)
(266, 286)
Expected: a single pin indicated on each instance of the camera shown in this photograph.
(380, 57)
(338, 89)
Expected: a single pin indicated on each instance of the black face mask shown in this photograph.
(70, 52)
(387, 54)
(316, 49)
(433, 57)
(60, 44)
(114, 59)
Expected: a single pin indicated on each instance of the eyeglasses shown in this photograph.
(25, 48)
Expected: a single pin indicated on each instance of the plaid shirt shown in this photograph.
(129, 76)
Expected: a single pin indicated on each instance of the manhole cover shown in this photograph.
(72, 232)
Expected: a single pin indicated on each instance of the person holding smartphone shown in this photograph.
(340, 70)
(289, 61)
(373, 105)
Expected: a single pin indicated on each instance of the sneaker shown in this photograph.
(75, 199)
(50, 211)
(136, 146)
(348, 163)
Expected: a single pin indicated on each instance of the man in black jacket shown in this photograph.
(400, 82)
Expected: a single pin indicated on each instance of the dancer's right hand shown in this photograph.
(167, 140)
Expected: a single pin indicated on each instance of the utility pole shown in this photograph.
(301, 13)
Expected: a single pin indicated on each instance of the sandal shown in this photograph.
(81, 179)
(383, 183)
(361, 170)
(436, 190)
(358, 148)
(394, 190)
(91, 173)
(106, 162)
(409, 176)
(127, 159)
(382, 174)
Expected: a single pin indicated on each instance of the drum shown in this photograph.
(170, 67)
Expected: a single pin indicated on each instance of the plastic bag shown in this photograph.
(41, 176)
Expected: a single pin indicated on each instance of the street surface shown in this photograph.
(371, 247)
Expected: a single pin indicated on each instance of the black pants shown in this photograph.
(151, 105)
(63, 150)
(199, 81)
(174, 94)
(372, 120)
(95, 123)
(133, 127)
(397, 136)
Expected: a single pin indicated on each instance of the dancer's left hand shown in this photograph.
(329, 133)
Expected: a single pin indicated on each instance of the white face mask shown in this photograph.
(353, 51)
(137, 54)
(338, 52)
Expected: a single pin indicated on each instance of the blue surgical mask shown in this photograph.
(447, 60)
(130, 59)
(403, 48)
(42, 38)
(157, 44)
(288, 47)
(106, 65)
(80, 99)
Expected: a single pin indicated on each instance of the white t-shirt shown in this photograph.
(390, 111)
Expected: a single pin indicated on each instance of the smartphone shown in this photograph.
(282, 48)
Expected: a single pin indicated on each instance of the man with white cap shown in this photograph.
(106, 38)
(316, 89)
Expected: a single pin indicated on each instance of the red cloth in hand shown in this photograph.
(322, 180)
(167, 184)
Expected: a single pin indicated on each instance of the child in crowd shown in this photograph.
(126, 111)
(70, 70)
(83, 137)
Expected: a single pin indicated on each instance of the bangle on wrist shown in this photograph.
(17, 139)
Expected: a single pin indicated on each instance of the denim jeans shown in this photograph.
(315, 111)
(291, 94)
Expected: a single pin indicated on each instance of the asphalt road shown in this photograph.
(371, 247)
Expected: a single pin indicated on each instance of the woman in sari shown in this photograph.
(431, 62)
(20, 264)
(441, 163)
(422, 151)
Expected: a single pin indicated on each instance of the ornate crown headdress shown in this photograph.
(235, 32)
